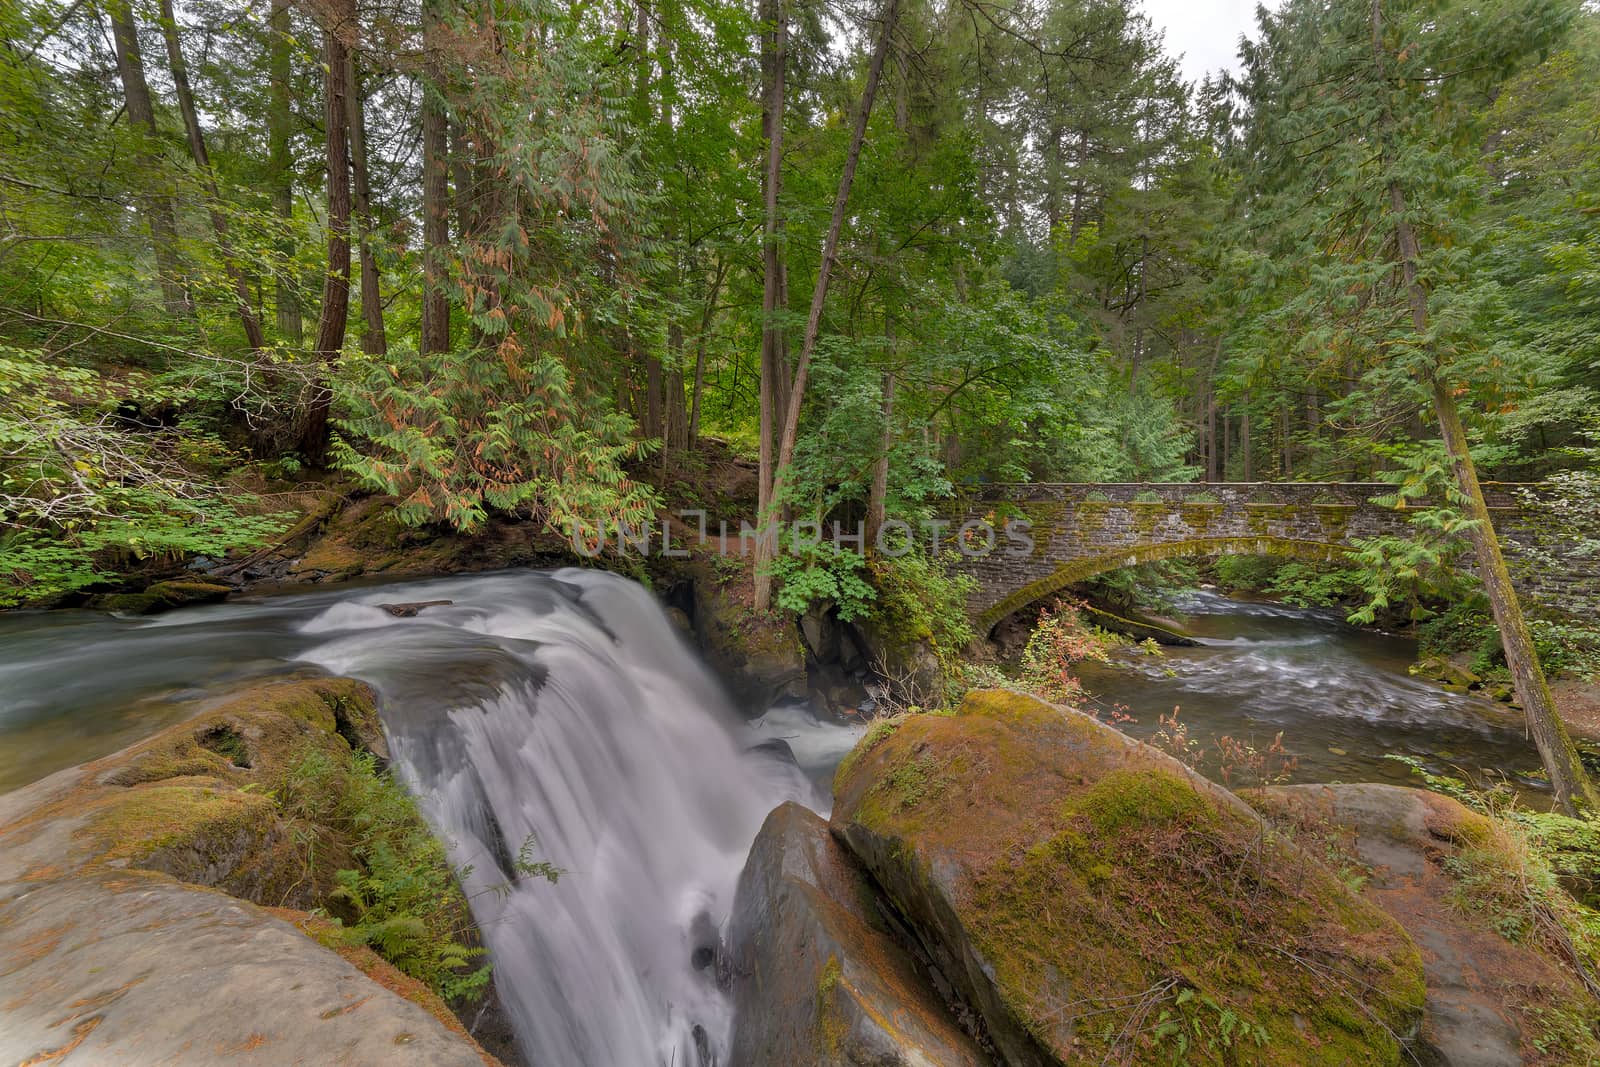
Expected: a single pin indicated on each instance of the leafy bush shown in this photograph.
(404, 895)
(458, 435)
(810, 574)
(1059, 640)
(921, 599)
(82, 492)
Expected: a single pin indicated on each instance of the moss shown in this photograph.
(879, 731)
(1262, 544)
(1097, 881)
(163, 596)
(831, 1027)
(1139, 798)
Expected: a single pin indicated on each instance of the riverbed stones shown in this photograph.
(819, 978)
(1491, 1002)
(1094, 900)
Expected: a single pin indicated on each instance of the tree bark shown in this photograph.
(435, 192)
(335, 311)
(202, 161)
(373, 339)
(774, 63)
(280, 174)
(157, 208)
(1568, 780)
(706, 317)
(878, 494)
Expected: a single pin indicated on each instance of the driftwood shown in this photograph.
(409, 611)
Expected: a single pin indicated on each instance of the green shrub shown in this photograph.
(404, 898)
(810, 574)
(919, 599)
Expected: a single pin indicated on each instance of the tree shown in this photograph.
(159, 213)
(335, 310)
(1367, 136)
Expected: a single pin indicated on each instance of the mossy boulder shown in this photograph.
(819, 978)
(1441, 669)
(1096, 901)
(164, 596)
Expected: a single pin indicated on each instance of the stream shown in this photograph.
(1340, 695)
(560, 715)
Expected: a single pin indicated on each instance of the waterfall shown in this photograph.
(563, 710)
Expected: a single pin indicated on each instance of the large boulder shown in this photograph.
(1492, 1000)
(142, 902)
(818, 975)
(1096, 901)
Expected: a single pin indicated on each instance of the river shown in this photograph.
(1340, 695)
(561, 711)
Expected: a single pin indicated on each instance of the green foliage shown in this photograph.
(82, 492)
(811, 573)
(405, 896)
(1304, 584)
(457, 436)
(922, 599)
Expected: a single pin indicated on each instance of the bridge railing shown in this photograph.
(1496, 494)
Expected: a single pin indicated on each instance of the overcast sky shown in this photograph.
(1206, 32)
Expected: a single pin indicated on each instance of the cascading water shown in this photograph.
(584, 725)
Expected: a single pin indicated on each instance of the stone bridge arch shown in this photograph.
(1084, 529)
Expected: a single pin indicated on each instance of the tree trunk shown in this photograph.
(157, 208)
(1247, 455)
(774, 63)
(335, 310)
(706, 317)
(830, 250)
(435, 193)
(878, 495)
(373, 339)
(202, 161)
(280, 174)
(1214, 471)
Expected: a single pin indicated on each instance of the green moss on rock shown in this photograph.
(1078, 885)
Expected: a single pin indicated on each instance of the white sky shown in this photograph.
(1205, 32)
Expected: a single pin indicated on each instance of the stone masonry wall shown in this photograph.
(1080, 530)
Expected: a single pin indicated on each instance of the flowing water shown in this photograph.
(560, 712)
(1340, 696)
(557, 713)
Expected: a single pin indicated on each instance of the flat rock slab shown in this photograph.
(1474, 976)
(142, 970)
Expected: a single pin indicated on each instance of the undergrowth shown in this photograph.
(1533, 876)
(403, 899)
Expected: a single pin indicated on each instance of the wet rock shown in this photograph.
(820, 628)
(759, 656)
(819, 978)
(1491, 1002)
(1439, 669)
(1075, 884)
(164, 596)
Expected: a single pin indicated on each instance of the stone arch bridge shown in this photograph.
(1081, 530)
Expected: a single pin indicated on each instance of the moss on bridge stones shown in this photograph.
(1074, 571)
